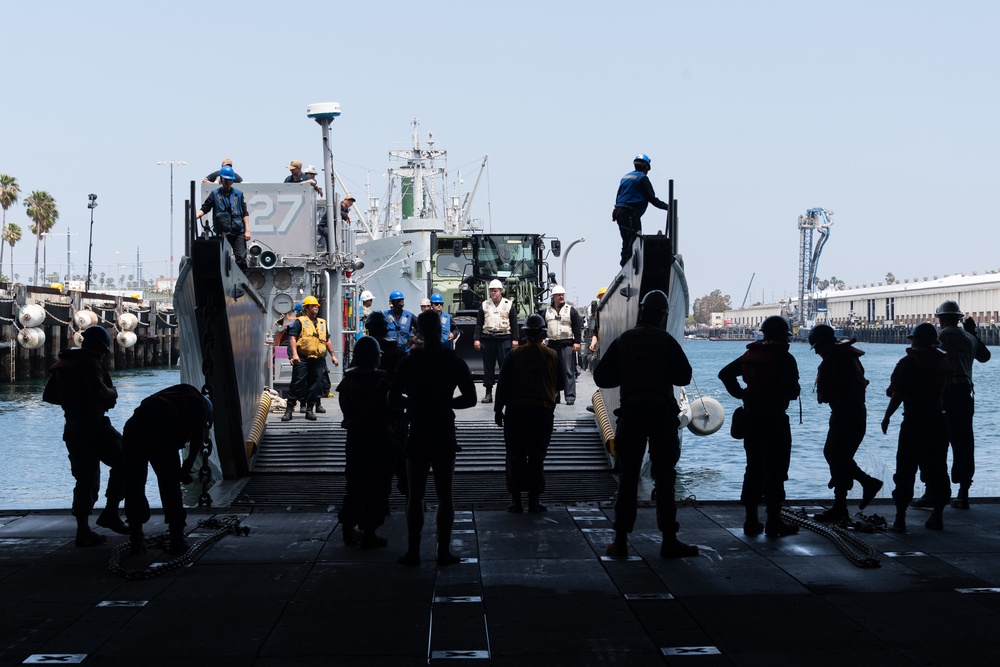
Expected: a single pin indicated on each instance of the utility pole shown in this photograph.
(171, 163)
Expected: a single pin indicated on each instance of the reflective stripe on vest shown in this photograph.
(312, 342)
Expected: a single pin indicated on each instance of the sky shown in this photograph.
(884, 112)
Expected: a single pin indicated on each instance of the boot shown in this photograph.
(302, 408)
(137, 541)
(961, 501)
(310, 415)
(488, 398)
(834, 514)
(289, 411)
(899, 523)
(674, 548)
(752, 525)
(178, 543)
(869, 489)
(369, 540)
(535, 506)
(935, 521)
(319, 408)
(619, 547)
(923, 502)
(776, 526)
(516, 507)
(110, 519)
(85, 537)
(351, 536)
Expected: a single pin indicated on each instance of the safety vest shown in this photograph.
(227, 211)
(496, 318)
(445, 328)
(312, 342)
(629, 194)
(399, 328)
(559, 324)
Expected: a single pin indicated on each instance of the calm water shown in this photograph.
(34, 465)
(711, 467)
(35, 470)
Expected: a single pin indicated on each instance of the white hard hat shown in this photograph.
(558, 289)
(496, 284)
(310, 170)
(425, 301)
(367, 296)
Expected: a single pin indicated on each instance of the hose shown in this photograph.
(259, 421)
(607, 433)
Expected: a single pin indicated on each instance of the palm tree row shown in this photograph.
(40, 208)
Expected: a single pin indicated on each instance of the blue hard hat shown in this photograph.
(396, 294)
(437, 298)
(298, 306)
(227, 173)
(643, 157)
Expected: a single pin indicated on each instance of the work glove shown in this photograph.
(969, 325)
(498, 418)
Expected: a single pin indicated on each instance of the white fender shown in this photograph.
(84, 319)
(126, 338)
(31, 338)
(128, 322)
(31, 315)
(707, 416)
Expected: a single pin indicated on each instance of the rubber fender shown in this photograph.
(707, 416)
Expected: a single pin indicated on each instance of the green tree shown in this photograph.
(10, 192)
(12, 234)
(710, 303)
(890, 279)
(41, 208)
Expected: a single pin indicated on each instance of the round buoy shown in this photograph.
(707, 416)
(31, 315)
(84, 318)
(126, 338)
(31, 338)
(128, 322)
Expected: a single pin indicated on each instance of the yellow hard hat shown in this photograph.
(310, 301)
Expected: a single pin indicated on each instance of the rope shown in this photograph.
(855, 549)
(230, 524)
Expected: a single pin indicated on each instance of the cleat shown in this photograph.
(868, 492)
(674, 548)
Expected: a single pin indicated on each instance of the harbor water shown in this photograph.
(35, 472)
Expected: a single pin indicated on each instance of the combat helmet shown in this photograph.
(949, 308)
(534, 326)
(925, 333)
(366, 353)
(653, 307)
(96, 338)
(775, 327)
(822, 334)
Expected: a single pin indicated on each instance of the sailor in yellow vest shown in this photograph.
(563, 327)
(308, 343)
(495, 334)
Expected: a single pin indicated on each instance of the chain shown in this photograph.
(208, 370)
(230, 524)
(856, 550)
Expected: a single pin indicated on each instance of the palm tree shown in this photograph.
(12, 234)
(10, 191)
(41, 208)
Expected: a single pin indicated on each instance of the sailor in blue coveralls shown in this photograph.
(635, 193)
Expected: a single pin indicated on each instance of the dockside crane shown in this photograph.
(815, 220)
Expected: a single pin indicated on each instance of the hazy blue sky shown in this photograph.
(883, 112)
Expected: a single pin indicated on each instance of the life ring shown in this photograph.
(707, 416)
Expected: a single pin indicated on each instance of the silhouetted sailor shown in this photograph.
(772, 379)
(391, 356)
(635, 193)
(80, 383)
(918, 384)
(525, 401)
(424, 386)
(841, 383)
(162, 424)
(363, 396)
(647, 363)
(962, 346)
